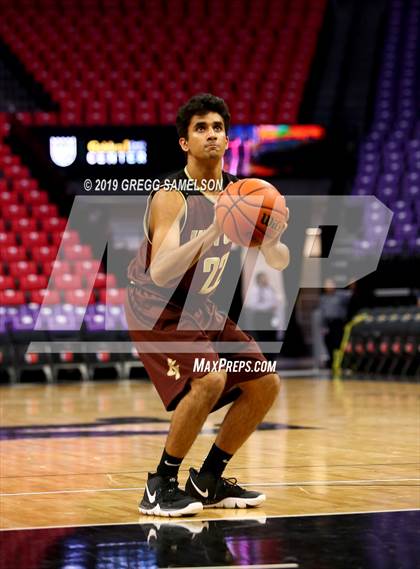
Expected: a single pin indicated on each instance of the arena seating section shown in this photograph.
(383, 343)
(31, 232)
(128, 63)
(134, 62)
(115, 64)
(389, 157)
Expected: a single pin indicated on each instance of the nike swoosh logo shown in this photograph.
(151, 497)
(204, 494)
(170, 463)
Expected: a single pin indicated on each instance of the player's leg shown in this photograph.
(255, 401)
(190, 396)
(254, 395)
(162, 495)
(191, 412)
(240, 422)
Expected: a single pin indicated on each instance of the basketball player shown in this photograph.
(178, 266)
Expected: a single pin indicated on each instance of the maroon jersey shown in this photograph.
(161, 317)
(201, 279)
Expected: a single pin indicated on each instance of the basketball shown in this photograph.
(250, 209)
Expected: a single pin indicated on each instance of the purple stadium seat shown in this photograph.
(45, 318)
(395, 132)
(414, 245)
(22, 322)
(62, 322)
(8, 312)
(115, 317)
(392, 246)
(404, 216)
(102, 317)
(72, 311)
(400, 205)
(406, 231)
(413, 192)
(95, 323)
(3, 327)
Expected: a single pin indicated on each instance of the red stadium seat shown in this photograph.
(14, 211)
(33, 239)
(43, 254)
(25, 185)
(7, 160)
(112, 296)
(24, 117)
(45, 296)
(4, 129)
(12, 254)
(53, 224)
(41, 118)
(6, 282)
(8, 198)
(78, 252)
(33, 282)
(56, 265)
(101, 280)
(7, 239)
(19, 268)
(79, 297)
(16, 171)
(24, 224)
(11, 297)
(67, 237)
(86, 267)
(4, 149)
(35, 197)
(67, 281)
(45, 211)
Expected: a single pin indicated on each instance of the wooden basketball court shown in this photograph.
(78, 454)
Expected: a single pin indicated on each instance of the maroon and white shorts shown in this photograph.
(171, 371)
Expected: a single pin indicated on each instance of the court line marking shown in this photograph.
(217, 519)
(363, 482)
(287, 466)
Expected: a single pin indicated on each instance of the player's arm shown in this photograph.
(275, 253)
(169, 259)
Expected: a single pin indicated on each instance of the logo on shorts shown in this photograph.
(173, 369)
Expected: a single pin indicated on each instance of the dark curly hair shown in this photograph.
(200, 105)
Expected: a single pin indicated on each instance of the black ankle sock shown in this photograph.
(169, 465)
(216, 461)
